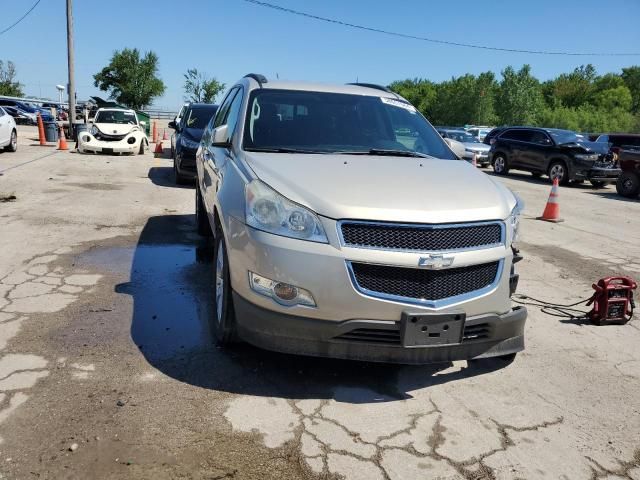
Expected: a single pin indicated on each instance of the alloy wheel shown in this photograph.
(498, 164)
(14, 141)
(557, 171)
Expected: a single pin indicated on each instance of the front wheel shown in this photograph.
(179, 179)
(628, 184)
(202, 221)
(558, 170)
(500, 165)
(222, 320)
(13, 142)
(141, 150)
(598, 183)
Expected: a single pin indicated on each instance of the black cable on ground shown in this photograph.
(553, 309)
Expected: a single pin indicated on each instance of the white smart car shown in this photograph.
(114, 130)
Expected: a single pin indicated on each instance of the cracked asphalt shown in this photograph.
(104, 345)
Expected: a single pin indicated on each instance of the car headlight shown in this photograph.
(94, 130)
(188, 143)
(267, 210)
(513, 222)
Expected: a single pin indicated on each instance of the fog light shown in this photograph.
(86, 138)
(131, 140)
(281, 292)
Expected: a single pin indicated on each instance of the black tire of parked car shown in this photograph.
(13, 142)
(598, 183)
(628, 184)
(558, 168)
(141, 151)
(202, 222)
(179, 179)
(500, 164)
(224, 328)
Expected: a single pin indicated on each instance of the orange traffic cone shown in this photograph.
(165, 135)
(62, 142)
(155, 133)
(158, 150)
(41, 135)
(552, 210)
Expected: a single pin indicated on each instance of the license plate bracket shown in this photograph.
(427, 329)
(107, 150)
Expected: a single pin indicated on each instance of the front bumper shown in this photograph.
(93, 145)
(608, 175)
(323, 270)
(481, 158)
(186, 163)
(484, 336)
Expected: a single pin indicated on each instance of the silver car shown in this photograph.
(472, 146)
(344, 226)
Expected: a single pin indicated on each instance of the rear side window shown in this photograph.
(520, 135)
(619, 140)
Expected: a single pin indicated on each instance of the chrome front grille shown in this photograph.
(421, 285)
(421, 238)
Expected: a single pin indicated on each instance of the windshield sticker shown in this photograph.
(398, 103)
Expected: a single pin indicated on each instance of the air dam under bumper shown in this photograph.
(483, 336)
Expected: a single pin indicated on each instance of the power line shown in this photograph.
(21, 18)
(434, 40)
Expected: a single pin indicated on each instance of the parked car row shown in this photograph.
(26, 110)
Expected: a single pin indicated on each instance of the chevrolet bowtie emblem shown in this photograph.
(435, 262)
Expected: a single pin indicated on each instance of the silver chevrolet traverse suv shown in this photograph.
(345, 227)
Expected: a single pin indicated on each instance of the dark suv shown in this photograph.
(560, 154)
(188, 135)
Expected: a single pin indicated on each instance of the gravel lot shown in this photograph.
(106, 366)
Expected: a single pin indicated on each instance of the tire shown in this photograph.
(141, 151)
(202, 222)
(628, 184)
(179, 179)
(222, 320)
(598, 183)
(558, 169)
(13, 142)
(500, 164)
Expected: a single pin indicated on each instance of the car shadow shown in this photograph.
(171, 285)
(613, 195)
(543, 180)
(163, 177)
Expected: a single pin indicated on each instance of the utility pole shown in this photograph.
(72, 80)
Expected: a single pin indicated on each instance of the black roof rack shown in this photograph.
(371, 85)
(257, 77)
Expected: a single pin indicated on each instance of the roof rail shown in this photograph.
(257, 77)
(371, 85)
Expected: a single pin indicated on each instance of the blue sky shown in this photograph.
(228, 38)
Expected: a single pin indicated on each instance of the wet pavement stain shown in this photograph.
(170, 286)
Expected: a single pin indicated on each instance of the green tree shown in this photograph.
(8, 84)
(130, 79)
(572, 89)
(613, 98)
(420, 93)
(631, 78)
(519, 99)
(199, 88)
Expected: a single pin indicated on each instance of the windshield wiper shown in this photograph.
(281, 150)
(384, 152)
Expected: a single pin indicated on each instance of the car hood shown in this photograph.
(194, 134)
(480, 147)
(392, 189)
(116, 128)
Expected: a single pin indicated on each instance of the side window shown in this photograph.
(234, 112)
(540, 138)
(510, 135)
(224, 108)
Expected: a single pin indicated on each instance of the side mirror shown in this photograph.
(172, 124)
(220, 137)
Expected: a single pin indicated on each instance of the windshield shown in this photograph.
(199, 117)
(320, 122)
(464, 137)
(565, 136)
(116, 116)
